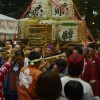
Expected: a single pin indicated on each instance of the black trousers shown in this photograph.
(11, 96)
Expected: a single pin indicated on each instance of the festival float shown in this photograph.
(53, 21)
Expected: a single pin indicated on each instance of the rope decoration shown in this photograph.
(63, 9)
(73, 17)
(28, 8)
(84, 23)
(60, 6)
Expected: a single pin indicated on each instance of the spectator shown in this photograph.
(87, 73)
(75, 68)
(27, 50)
(50, 51)
(73, 90)
(38, 49)
(17, 47)
(60, 67)
(48, 86)
(77, 50)
(96, 68)
(9, 44)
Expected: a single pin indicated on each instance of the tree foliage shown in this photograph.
(91, 10)
(13, 8)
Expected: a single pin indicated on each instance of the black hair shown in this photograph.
(21, 46)
(93, 46)
(2, 44)
(34, 55)
(67, 51)
(75, 69)
(48, 86)
(19, 52)
(37, 46)
(62, 64)
(79, 49)
(73, 90)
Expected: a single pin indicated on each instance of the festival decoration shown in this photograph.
(25, 78)
(39, 34)
(59, 15)
(24, 26)
(54, 24)
(62, 8)
(52, 59)
(68, 32)
(41, 9)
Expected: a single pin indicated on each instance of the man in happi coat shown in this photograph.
(96, 69)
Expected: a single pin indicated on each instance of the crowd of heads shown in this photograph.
(49, 85)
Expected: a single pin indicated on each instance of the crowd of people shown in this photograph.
(26, 75)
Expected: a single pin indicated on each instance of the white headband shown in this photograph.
(35, 60)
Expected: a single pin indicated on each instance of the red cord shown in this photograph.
(28, 8)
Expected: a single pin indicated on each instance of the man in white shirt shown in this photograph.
(75, 68)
